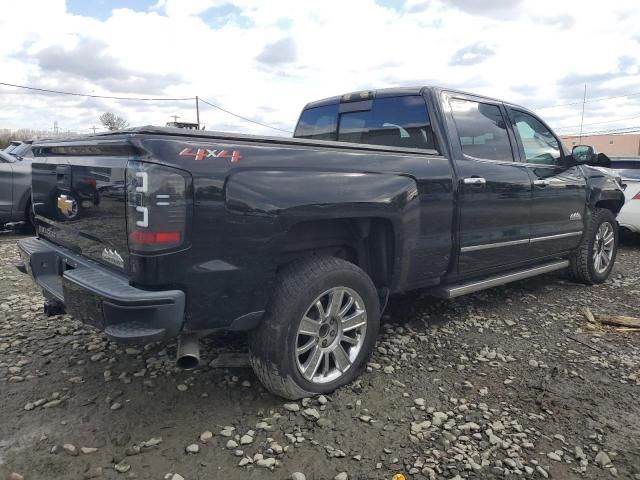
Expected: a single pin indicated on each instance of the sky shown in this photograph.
(266, 59)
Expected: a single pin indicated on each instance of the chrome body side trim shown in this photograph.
(486, 246)
(554, 237)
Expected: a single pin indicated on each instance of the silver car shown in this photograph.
(15, 189)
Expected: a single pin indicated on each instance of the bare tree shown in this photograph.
(113, 121)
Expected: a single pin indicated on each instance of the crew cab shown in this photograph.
(156, 233)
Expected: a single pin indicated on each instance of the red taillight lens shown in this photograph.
(154, 238)
(158, 206)
(636, 196)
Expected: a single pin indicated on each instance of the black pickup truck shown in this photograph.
(156, 233)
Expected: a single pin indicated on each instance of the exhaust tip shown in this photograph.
(188, 355)
(188, 362)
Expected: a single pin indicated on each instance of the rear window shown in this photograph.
(318, 123)
(394, 121)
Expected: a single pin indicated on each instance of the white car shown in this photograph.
(629, 169)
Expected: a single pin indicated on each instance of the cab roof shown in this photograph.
(399, 92)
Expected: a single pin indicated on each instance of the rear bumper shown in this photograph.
(101, 297)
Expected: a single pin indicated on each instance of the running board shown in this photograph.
(453, 291)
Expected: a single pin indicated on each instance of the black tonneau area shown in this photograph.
(235, 137)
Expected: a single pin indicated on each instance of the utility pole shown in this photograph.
(584, 100)
(94, 129)
(175, 118)
(198, 112)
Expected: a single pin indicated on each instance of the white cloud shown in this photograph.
(266, 60)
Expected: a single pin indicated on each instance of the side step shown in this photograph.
(453, 291)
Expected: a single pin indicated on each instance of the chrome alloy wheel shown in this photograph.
(603, 246)
(330, 335)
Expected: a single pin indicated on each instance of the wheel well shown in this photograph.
(366, 242)
(613, 205)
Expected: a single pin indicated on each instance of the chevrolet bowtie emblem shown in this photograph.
(67, 206)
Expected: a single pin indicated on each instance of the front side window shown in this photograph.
(540, 146)
(394, 121)
(482, 130)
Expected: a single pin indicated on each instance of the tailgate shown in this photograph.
(79, 199)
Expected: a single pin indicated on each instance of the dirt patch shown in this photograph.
(510, 381)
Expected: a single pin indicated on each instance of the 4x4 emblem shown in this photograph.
(575, 216)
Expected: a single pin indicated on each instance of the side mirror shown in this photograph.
(584, 154)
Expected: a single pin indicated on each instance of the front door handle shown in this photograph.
(541, 183)
(474, 181)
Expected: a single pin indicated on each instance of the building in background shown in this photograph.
(612, 145)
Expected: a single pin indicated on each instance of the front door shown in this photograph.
(559, 188)
(494, 191)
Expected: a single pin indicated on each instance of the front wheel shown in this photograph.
(593, 261)
(319, 329)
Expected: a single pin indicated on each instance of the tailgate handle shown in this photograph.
(63, 175)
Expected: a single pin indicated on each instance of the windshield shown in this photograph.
(11, 147)
(21, 150)
(5, 158)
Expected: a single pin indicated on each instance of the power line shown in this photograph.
(89, 95)
(241, 117)
(598, 99)
(615, 131)
(598, 123)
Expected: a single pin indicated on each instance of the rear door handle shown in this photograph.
(541, 183)
(474, 181)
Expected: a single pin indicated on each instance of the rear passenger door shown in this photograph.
(494, 191)
(559, 187)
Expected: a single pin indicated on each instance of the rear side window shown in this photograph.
(319, 123)
(395, 121)
(482, 130)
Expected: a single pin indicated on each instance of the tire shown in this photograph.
(275, 345)
(583, 266)
(29, 220)
(30, 215)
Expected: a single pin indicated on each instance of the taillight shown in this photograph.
(158, 206)
(636, 196)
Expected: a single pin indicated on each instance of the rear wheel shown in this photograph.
(319, 329)
(593, 261)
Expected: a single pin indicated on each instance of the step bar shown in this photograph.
(453, 291)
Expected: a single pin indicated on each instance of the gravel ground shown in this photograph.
(508, 382)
